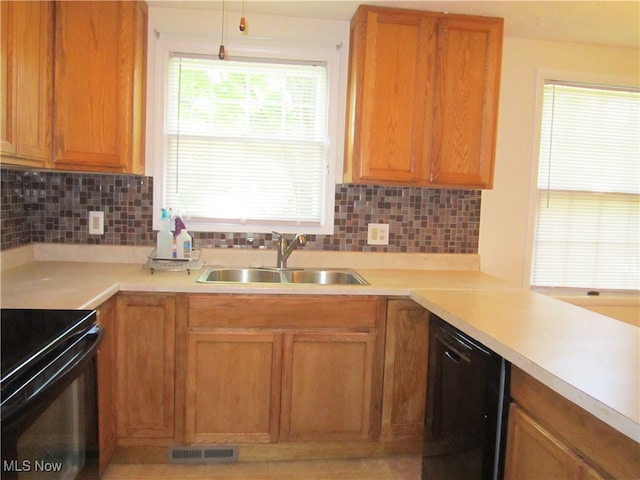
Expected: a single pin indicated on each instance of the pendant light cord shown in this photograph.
(221, 52)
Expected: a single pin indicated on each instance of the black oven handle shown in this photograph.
(55, 375)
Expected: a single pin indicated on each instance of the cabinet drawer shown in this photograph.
(283, 311)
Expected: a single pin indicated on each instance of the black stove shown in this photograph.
(48, 391)
(35, 345)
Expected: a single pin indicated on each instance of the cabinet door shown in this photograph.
(533, 452)
(106, 383)
(25, 82)
(99, 85)
(466, 107)
(390, 101)
(327, 386)
(145, 361)
(586, 472)
(7, 83)
(405, 371)
(600, 445)
(233, 386)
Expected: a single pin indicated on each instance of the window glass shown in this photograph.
(588, 212)
(246, 144)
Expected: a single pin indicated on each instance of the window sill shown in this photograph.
(580, 297)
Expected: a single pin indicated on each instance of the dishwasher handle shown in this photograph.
(455, 350)
(454, 357)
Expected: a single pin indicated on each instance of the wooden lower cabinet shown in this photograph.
(233, 386)
(106, 384)
(327, 385)
(286, 368)
(145, 361)
(551, 437)
(535, 453)
(405, 370)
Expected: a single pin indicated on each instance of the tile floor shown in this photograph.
(392, 468)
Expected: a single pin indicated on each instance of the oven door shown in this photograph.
(52, 430)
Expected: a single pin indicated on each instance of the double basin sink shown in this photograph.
(282, 276)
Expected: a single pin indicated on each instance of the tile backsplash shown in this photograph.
(53, 207)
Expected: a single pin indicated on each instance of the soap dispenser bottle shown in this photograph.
(165, 237)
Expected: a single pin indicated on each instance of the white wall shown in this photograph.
(506, 214)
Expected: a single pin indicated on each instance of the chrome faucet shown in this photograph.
(285, 248)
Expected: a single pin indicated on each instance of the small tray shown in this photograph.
(175, 264)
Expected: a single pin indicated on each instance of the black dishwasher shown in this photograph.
(466, 410)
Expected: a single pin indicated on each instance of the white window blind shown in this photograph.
(246, 141)
(588, 230)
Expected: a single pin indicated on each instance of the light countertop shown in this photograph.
(86, 285)
(590, 359)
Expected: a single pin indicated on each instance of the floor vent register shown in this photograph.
(204, 454)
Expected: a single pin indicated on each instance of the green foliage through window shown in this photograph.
(246, 141)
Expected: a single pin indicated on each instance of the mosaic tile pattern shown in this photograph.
(53, 207)
(15, 214)
(424, 220)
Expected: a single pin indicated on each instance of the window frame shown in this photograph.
(543, 75)
(328, 53)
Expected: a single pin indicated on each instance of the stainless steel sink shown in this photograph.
(325, 277)
(240, 275)
(282, 276)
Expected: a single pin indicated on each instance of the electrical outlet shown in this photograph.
(96, 223)
(378, 234)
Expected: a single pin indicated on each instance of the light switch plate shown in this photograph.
(378, 234)
(96, 223)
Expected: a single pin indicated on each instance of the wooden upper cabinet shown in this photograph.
(391, 65)
(100, 56)
(466, 107)
(422, 98)
(26, 73)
